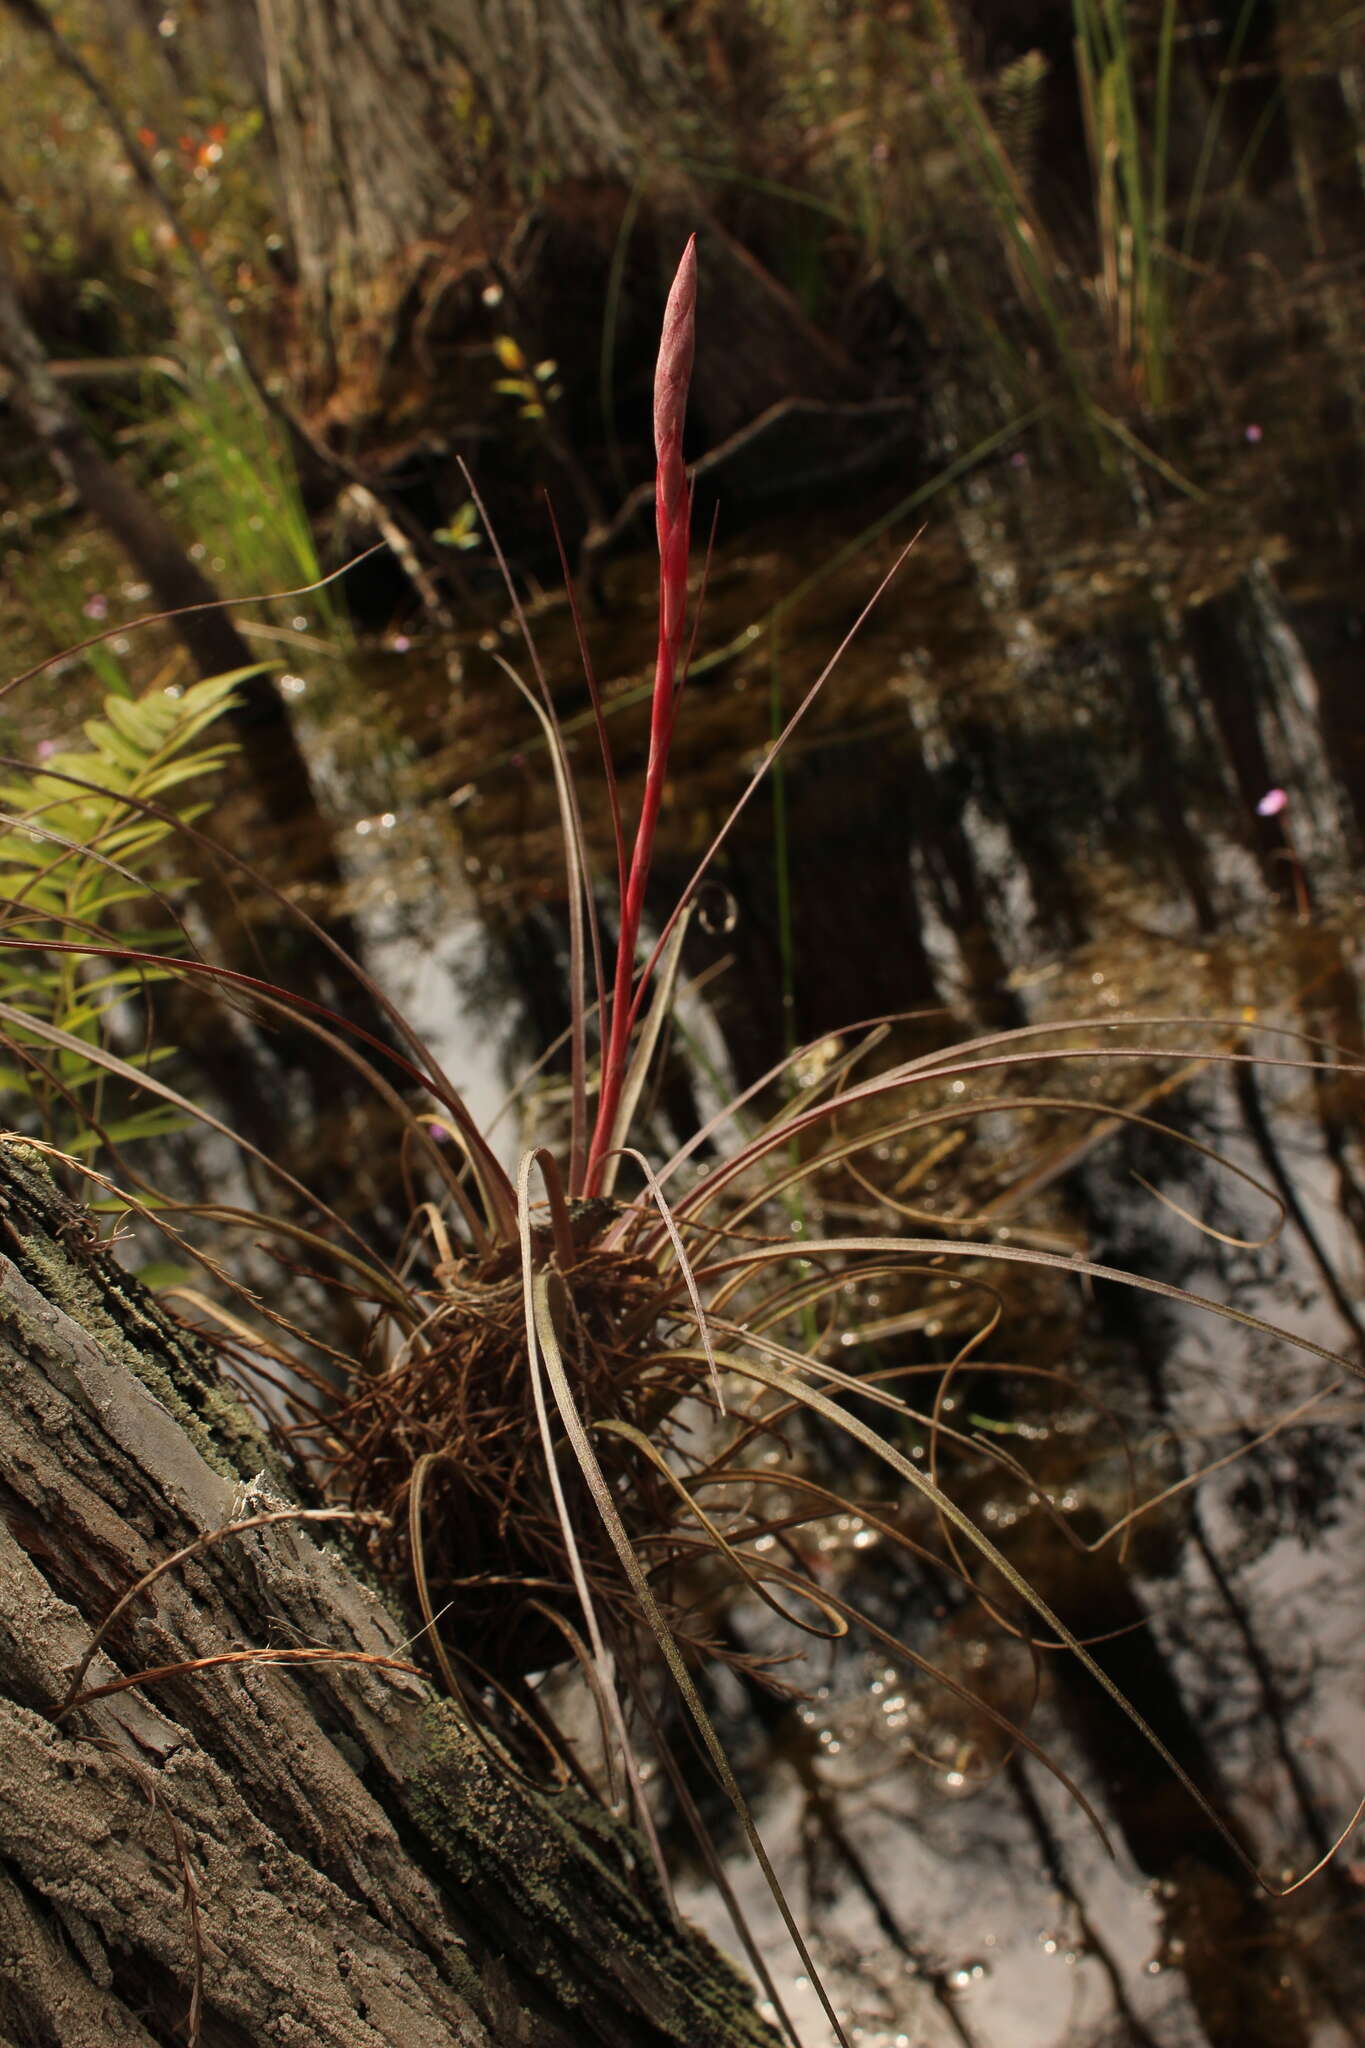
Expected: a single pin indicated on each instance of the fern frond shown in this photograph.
(77, 849)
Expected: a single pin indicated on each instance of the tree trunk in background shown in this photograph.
(577, 87)
(376, 107)
(366, 1875)
(362, 97)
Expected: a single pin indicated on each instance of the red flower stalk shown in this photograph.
(673, 517)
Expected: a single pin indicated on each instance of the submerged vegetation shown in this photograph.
(780, 1383)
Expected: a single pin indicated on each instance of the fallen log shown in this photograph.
(315, 1855)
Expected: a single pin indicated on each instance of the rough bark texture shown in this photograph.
(367, 1876)
(380, 108)
(362, 107)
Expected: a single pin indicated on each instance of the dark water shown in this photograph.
(1098, 755)
(1033, 790)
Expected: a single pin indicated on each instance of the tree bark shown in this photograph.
(366, 1874)
(377, 108)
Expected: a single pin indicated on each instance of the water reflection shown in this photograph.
(1031, 792)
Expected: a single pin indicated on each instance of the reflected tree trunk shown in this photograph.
(1135, 2032)
(1212, 1908)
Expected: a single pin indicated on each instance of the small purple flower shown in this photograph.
(1018, 460)
(96, 607)
(399, 644)
(1253, 433)
(1272, 803)
(45, 749)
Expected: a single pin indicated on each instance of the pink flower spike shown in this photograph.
(673, 514)
(1272, 803)
(673, 370)
(672, 501)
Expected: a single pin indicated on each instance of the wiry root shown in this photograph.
(458, 1403)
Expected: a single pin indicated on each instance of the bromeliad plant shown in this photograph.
(583, 1432)
(579, 1425)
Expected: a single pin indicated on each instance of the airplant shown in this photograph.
(577, 1421)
